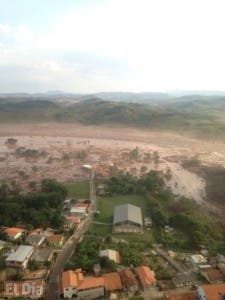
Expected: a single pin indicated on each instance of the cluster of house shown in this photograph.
(75, 284)
(203, 292)
(38, 247)
(76, 212)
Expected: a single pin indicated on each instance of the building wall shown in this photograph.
(15, 264)
(91, 293)
(69, 292)
(15, 237)
(201, 294)
(127, 227)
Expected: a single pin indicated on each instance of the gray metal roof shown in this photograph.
(127, 212)
(20, 254)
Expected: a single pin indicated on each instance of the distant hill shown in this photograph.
(199, 115)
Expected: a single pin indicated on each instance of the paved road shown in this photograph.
(53, 290)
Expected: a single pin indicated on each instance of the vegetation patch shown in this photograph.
(78, 190)
(37, 209)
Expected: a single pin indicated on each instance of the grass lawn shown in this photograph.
(78, 190)
(99, 230)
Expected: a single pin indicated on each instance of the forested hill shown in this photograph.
(201, 116)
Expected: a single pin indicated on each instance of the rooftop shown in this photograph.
(127, 277)
(91, 282)
(69, 278)
(12, 231)
(55, 238)
(198, 259)
(20, 254)
(35, 239)
(42, 254)
(146, 276)
(81, 204)
(213, 275)
(112, 281)
(214, 291)
(127, 212)
(75, 209)
(111, 254)
(73, 219)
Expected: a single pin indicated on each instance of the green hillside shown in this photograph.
(198, 116)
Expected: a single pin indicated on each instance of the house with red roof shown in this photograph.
(128, 280)
(14, 233)
(55, 240)
(112, 282)
(146, 277)
(74, 284)
(211, 292)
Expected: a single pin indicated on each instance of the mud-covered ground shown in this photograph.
(62, 150)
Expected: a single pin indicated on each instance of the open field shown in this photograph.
(64, 148)
(78, 190)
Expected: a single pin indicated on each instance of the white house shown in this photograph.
(20, 257)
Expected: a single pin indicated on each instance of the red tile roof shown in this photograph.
(73, 219)
(76, 279)
(214, 275)
(112, 281)
(69, 278)
(214, 291)
(127, 277)
(55, 238)
(146, 276)
(86, 205)
(91, 282)
(13, 231)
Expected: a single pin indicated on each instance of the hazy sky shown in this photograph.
(112, 45)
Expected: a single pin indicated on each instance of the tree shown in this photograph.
(108, 264)
(51, 185)
(134, 154)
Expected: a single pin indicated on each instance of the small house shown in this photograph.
(42, 256)
(111, 254)
(146, 277)
(35, 239)
(55, 240)
(74, 284)
(14, 233)
(128, 280)
(20, 257)
(112, 282)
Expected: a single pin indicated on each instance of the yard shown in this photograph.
(79, 190)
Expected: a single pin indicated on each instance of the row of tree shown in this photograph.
(38, 209)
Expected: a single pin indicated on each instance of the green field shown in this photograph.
(78, 190)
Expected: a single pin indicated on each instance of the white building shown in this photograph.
(198, 259)
(111, 254)
(78, 211)
(20, 257)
